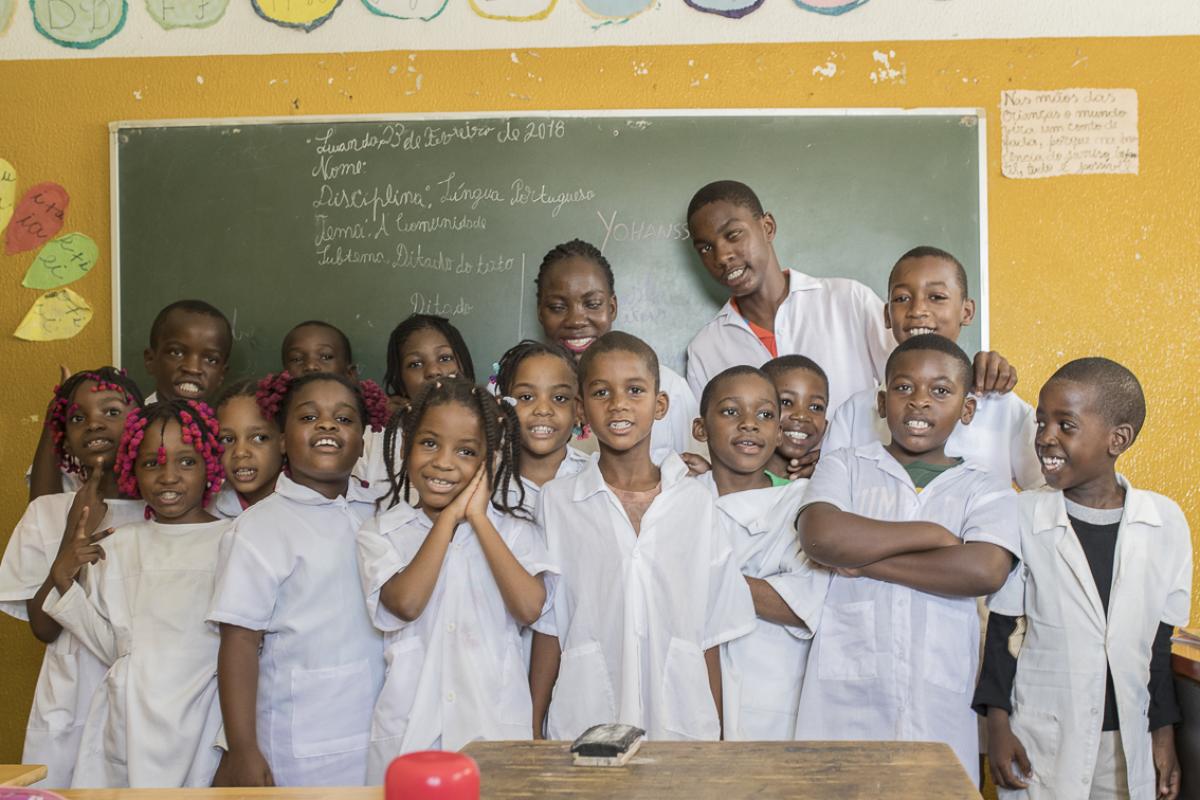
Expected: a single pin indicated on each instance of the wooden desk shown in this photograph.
(664, 770)
(1185, 661)
(21, 774)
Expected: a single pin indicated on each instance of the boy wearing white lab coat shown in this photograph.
(649, 587)
(914, 536)
(1086, 707)
(761, 672)
(927, 293)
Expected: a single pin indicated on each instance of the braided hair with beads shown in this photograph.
(198, 427)
(501, 435)
(106, 379)
(276, 390)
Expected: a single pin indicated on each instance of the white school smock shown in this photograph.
(634, 613)
(574, 463)
(291, 571)
(672, 433)
(1058, 692)
(456, 673)
(1000, 436)
(761, 673)
(889, 662)
(70, 672)
(153, 720)
(837, 322)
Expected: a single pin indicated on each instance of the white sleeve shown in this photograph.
(839, 432)
(730, 612)
(247, 585)
(1026, 468)
(683, 409)
(880, 341)
(28, 556)
(697, 375)
(547, 623)
(793, 581)
(378, 562)
(76, 612)
(527, 545)
(831, 481)
(1177, 610)
(991, 516)
(1009, 600)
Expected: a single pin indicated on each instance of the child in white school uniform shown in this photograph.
(1087, 708)
(761, 672)
(915, 536)
(84, 427)
(452, 582)
(251, 450)
(649, 587)
(140, 610)
(927, 293)
(300, 664)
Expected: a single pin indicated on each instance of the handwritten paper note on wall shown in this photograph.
(1068, 132)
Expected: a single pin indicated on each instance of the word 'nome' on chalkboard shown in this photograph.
(362, 222)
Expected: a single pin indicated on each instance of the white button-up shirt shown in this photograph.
(837, 322)
(291, 571)
(1000, 436)
(456, 673)
(761, 673)
(889, 662)
(70, 673)
(634, 612)
(1058, 693)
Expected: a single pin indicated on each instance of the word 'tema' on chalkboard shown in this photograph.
(363, 222)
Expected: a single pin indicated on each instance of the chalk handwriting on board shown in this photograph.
(81, 24)
(303, 15)
(63, 260)
(8, 191)
(406, 9)
(186, 13)
(37, 217)
(58, 314)
(617, 229)
(513, 10)
(433, 304)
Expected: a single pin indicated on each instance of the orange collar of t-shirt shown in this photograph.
(765, 336)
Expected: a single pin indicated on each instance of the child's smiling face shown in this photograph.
(742, 424)
(620, 400)
(191, 356)
(323, 435)
(547, 396)
(315, 348)
(734, 245)
(575, 306)
(925, 397)
(803, 398)
(925, 296)
(446, 451)
(252, 456)
(174, 488)
(94, 424)
(425, 356)
(1075, 443)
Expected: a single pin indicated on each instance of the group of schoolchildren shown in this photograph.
(292, 580)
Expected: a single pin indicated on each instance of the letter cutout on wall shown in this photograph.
(8, 190)
(831, 7)
(513, 10)
(304, 15)
(616, 9)
(186, 13)
(58, 314)
(81, 24)
(407, 9)
(37, 218)
(63, 260)
(734, 9)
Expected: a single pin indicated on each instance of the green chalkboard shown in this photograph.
(362, 222)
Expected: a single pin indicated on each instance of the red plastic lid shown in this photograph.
(432, 774)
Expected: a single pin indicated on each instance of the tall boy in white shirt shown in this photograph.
(649, 587)
(1087, 707)
(914, 536)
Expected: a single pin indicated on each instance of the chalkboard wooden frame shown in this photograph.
(969, 117)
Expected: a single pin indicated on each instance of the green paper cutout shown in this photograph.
(61, 261)
(185, 13)
(81, 24)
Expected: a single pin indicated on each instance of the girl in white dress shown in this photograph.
(87, 416)
(452, 582)
(140, 609)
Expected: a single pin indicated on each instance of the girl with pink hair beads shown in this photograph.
(140, 607)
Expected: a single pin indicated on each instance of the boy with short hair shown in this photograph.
(1087, 706)
(914, 536)
(761, 672)
(927, 293)
(649, 588)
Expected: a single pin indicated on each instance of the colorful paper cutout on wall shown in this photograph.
(6, 13)
(513, 10)
(81, 24)
(58, 314)
(830, 7)
(63, 260)
(186, 13)
(615, 9)
(304, 15)
(734, 9)
(407, 9)
(37, 218)
(8, 190)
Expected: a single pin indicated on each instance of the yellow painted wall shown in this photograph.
(1079, 265)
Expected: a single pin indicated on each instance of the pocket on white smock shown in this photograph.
(583, 693)
(688, 707)
(948, 661)
(1040, 732)
(846, 650)
(404, 659)
(331, 709)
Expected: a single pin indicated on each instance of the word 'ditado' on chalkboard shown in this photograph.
(361, 222)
